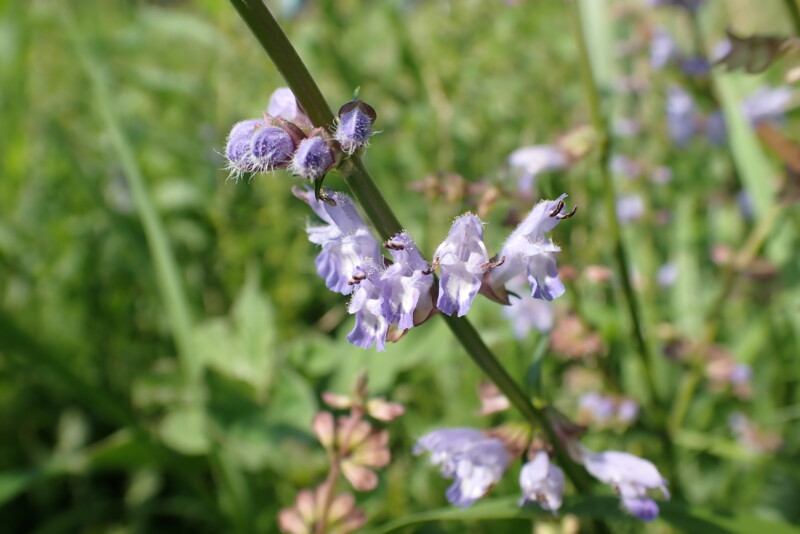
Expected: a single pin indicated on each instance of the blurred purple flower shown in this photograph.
(661, 175)
(346, 240)
(689, 5)
(630, 476)
(371, 326)
(536, 159)
(542, 481)
(663, 49)
(463, 258)
(527, 250)
(527, 312)
(599, 409)
(627, 411)
(627, 127)
(680, 115)
(716, 128)
(767, 104)
(667, 274)
(625, 166)
(406, 283)
(745, 201)
(695, 67)
(466, 455)
(630, 207)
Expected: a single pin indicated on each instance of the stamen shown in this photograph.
(493, 264)
(567, 215)
(434, 266)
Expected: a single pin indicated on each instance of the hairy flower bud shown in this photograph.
(271, 148)
(238, 146)
(314, 156)
(354, 125)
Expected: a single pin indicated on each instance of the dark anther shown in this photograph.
(327, 199)
(434, 266)
(558, 208)
(567, 215)
(394, 245)
(493, 264)
(357, 278)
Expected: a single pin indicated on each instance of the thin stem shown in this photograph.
(600, 125)
(281, 51)
(738, 264)
(794, 14)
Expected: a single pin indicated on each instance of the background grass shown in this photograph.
(164, 337)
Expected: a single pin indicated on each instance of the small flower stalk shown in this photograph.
(356, 449)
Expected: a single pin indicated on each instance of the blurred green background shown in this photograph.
(164, 338)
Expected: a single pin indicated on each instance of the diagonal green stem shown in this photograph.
(280, 50)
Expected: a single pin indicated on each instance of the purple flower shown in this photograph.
(406, 283)
(689, 5)
(630, 208)
(627, 411)
(663, 49)
(533, 160)
(680, 115)
(667, 274)
(696, 67)
(237, 148)
(345, 239)
(466, 455)
(313, 158)
(463, 258)
(527, 312)
(630, 476)
(527, 250)
(767, 104)
(716, 128)
(600, 409)
(354, 125)
(542, 481)
(270, 148)
(283, 104)
(625, 166)
(371, 326)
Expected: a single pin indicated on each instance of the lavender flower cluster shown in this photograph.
(389, 296)
(476, 461)
(402, 292)
(284, 138)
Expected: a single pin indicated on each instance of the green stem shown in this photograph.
(280, 50)
(794, 14)
(601, 129)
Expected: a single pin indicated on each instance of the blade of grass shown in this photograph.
(168, 278)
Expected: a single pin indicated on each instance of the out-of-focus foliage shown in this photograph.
(106, 428)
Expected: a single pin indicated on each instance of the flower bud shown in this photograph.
(355, 125)
(314, 156)
(283, 104)
(238, 149)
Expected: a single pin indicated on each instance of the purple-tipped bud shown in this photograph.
(314, 157)
(271, 148)
(237, 149)
(355, 125)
